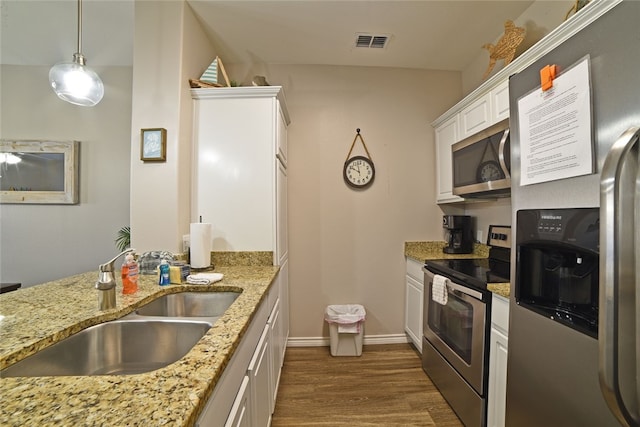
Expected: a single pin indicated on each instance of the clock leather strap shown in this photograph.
(354, 143)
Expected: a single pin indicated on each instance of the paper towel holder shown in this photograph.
(200, 246)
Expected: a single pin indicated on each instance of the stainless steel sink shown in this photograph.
(120, 347)
(190, 304)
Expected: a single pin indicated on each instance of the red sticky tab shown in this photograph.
(547, 74)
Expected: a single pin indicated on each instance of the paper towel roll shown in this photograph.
(200, 244)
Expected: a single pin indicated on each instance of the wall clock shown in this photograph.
(358, 171)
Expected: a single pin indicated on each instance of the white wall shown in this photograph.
(347, 246)
(39, 243)
(170, 47)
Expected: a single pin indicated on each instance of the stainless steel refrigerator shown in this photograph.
(558, 375)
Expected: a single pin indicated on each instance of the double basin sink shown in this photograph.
(152, 337)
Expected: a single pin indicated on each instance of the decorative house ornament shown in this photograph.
(577, 5)
(506, 47)
(358, 171)
(211, 76)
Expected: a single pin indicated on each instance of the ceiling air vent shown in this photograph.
(373, 41)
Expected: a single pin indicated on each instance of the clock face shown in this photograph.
(359, 172)
(489, 171)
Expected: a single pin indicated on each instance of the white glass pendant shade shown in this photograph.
(76, 83)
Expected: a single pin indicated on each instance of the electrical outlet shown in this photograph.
(186, 243)
(479, 236)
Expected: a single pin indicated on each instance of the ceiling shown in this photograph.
(445, 35)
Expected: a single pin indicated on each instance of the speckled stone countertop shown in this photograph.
(36, 317)
(424, 251)
(502, 289)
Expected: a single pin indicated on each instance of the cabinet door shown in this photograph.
(475, 117)
(234, 172)
(283, 277)
(446, 135)
(496, 400)
(240, 415)
(500, 102)
(275, 329)
(281, 136)
(259, 372)
(282, 237)
(413, 311)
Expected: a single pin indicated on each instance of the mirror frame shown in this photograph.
(69, 196)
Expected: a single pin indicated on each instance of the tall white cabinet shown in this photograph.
(240, 155)
(239, 185)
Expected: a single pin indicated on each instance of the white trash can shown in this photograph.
(346, 328)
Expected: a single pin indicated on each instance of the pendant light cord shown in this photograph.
(79, 26)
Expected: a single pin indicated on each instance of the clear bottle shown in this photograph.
(130, 272)
(163, 270)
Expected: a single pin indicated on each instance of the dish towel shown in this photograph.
(349, 328)
(204, 278)
(439, 289)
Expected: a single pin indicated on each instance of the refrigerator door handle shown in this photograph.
(618, 190)
(501, 157)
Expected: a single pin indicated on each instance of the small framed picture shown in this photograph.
(153, 145)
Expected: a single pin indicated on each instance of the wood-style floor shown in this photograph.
(386, 386)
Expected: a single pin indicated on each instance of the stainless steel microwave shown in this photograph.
(482, 163)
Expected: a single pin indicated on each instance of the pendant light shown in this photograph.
(74, 82)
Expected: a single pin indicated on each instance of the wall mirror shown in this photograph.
(39, 172)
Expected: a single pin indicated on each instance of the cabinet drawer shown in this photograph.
(500, 312)
(414, 269)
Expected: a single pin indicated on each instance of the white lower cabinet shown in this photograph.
(259, 373)
(496, 400)
(275, 336)
(240, 415)
(246, 391)
(414, 292)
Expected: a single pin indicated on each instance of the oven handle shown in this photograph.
(475, 294)
(460, 288)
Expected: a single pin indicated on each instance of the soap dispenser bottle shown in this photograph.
(129, 275)
(163, 271)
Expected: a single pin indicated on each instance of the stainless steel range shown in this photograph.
(455, 345)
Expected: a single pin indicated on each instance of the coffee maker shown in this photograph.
(458, 234)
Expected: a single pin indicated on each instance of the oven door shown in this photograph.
(457, 329)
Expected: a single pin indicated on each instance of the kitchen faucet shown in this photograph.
(106, 284)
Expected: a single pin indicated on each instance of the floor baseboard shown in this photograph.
(368, 340)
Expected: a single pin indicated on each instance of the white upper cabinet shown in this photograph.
(475, 117)
(499, 102)
(446, 135)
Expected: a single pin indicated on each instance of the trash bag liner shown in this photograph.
(344, 314)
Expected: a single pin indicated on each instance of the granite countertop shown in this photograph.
(36, 317)
(502, 289)
(424, 251)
